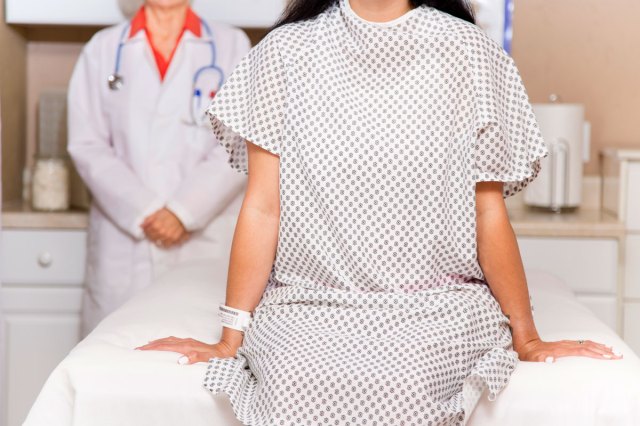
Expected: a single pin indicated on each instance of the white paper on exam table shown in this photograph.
(104, 382)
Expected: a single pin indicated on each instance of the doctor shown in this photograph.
(162, 190)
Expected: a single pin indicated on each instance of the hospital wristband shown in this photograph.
(234, 318)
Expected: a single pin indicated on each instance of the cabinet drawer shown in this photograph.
(632, 200)
(631, 329)
(43, 257)
(632, 266)
(587, 265)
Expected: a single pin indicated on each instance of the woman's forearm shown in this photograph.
(252, 253)
(499, 258)
(255, 239)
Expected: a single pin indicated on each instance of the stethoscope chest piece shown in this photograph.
(115, 82)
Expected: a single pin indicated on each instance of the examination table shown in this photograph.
(104, 382)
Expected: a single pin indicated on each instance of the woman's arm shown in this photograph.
(499, 258)
(256, 237)
(252, 254)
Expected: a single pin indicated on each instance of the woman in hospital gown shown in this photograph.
(373, 246)
(162, 191)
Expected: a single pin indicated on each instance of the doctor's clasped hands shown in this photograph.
(164, 229)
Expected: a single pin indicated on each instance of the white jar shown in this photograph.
(50, 186)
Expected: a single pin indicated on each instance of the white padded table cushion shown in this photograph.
(104, 382)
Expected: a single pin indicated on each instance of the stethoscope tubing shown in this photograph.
(115, 80)
(210, 42)
(119, 50)
(212, 66)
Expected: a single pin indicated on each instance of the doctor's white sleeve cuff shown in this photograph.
(154, 206)
(187, 219)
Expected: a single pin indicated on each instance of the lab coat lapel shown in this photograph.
(175, 95)
(173, 98)
(182, 62)
(139, 41)
(139, 96)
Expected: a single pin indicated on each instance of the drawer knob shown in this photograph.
(45, 259)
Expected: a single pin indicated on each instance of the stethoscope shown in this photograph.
(116, 80)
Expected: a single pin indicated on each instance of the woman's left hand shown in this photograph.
(538, 350)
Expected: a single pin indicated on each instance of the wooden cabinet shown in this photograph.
(243, 13)
(40, 296)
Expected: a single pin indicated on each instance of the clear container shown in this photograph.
(50, 184)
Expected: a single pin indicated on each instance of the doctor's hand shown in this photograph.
(538, 350)
(164, 229)
(192, 350)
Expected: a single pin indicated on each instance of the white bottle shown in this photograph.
(50, 184)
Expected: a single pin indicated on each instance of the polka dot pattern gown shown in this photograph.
(376, 311)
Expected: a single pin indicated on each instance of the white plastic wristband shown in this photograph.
(234, 318)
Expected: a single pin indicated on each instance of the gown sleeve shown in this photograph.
(508, 144)
(250, 106)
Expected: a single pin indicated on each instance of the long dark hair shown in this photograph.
(301, 10)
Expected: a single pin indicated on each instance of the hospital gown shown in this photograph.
(376, 311)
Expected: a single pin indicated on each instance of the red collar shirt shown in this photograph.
(139, 23)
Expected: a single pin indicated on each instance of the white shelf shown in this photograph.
(242, 13)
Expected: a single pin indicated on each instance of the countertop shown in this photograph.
(526, 222)
(628, 154)
(529, 222)
(20, 215)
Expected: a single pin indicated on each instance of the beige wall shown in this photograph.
(12, 94)
(42, 57)
(48, 57)
(50, 65)
(587, 51)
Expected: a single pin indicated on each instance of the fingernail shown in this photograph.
(183, 360)
(617, 353)
(606, 356)
(549, 359)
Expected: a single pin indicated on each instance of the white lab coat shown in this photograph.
(136, 154)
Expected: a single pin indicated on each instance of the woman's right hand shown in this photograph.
(193, 350)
